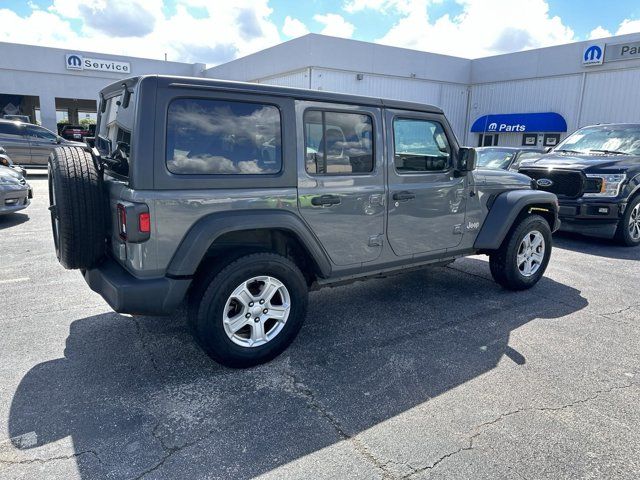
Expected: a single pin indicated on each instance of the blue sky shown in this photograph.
(214, 31)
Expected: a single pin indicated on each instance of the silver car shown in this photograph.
(15, 192)
(29, 144)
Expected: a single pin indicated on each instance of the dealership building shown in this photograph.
(532, 98)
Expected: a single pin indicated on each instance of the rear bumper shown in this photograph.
(591, 217)
(128, 294)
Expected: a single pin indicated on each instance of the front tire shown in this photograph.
(250, 311)
(524, 255)
(628, 232)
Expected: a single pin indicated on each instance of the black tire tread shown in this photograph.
(79, 206)
(622, 235)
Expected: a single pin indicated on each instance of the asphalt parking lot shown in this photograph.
(431, 374)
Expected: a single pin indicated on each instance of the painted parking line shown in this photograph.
(14, 280)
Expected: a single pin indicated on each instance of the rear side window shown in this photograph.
(223, 137)
(338, 143)
(419, 146)
(41, 133)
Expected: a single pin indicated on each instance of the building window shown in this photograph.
(488, 140)
(223, 137)
(338, 143)
(529, 139)
(419, 146)
(551, 139)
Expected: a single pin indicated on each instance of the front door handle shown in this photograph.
(404, 196)
(325, 200)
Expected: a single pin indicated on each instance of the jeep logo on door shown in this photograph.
(74, 62)
(544, 182)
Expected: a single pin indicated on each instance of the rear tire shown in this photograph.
(77, 208)
(231, 310)
(524, 254)
(628, 232)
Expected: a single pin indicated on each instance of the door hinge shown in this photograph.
(375, 241)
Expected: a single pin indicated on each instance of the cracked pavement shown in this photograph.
(431, 374)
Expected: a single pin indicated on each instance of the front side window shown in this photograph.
(338, 143)
(223, 137)
(419, 146)
(41, 133)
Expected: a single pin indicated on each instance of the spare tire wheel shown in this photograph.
(77, 207)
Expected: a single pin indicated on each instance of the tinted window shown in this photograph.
(41, 133)
(10, 129)
(419, 146)
(223, 137)
(338, 143)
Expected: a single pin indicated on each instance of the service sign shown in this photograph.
(623, 51)
(74, 61)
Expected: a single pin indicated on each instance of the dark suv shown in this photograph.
(241, 197)
(596, 174)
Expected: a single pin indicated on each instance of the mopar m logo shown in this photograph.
(544, 182)
(74, 62)
(593, 55)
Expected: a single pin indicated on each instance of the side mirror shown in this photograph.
(58, 139)
(466, 161)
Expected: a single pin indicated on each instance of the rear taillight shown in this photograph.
(134, 222)
(144, 223)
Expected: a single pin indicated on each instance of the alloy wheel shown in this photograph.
(530, 253)
(256, 311)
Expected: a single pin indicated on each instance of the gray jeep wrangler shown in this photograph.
(240, 198)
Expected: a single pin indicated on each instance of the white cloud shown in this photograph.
(599, 32)
(485, 27)
(294, 28)
(629, 26)
(335, 25)
(142, 28)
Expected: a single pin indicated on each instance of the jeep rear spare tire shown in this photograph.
(77, 207)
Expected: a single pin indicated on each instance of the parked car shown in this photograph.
(6, 161)
(505, 158)
(241, 197)
(17, 118)
(15, 192)
(596, 174)
(74, 132)
(29, 144)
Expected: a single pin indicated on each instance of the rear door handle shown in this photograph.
(324, 200)
(404, 196)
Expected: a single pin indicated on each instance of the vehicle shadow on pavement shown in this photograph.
(12, 219)
(137, 396)
(600, 247)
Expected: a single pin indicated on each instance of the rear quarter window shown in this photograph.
(222, 137)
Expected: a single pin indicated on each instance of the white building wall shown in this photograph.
(611, 96)
(297, 79)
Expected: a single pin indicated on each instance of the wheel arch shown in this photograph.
(232, 233)
(507, 208)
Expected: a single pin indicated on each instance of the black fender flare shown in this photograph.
(505, 209)
(205, 231)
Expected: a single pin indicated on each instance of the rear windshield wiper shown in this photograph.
(609, 152)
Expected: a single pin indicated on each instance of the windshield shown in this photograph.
(621, 139)
(494, 158)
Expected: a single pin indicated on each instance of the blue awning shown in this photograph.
(520, 122)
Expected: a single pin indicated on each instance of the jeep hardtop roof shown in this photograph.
(273, 90)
